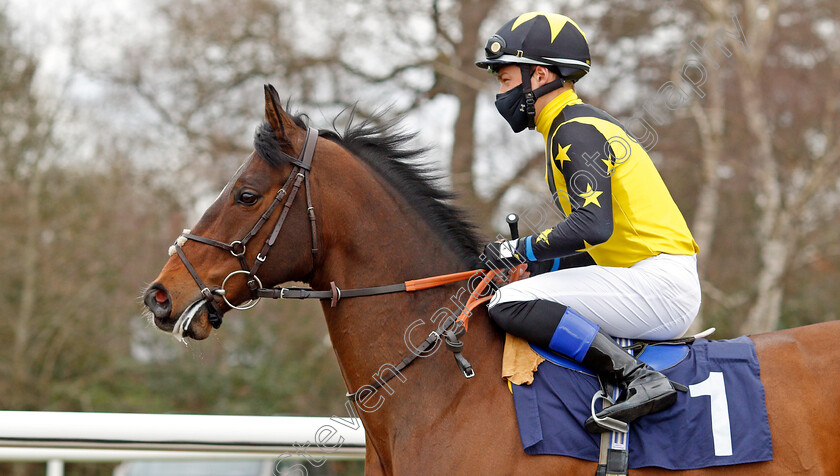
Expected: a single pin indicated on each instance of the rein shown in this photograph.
(335, 293)
(449, 330)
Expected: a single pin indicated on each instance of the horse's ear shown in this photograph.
(275, 115)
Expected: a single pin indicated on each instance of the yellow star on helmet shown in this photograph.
(590, 196)
(544, 235)
(555, 21)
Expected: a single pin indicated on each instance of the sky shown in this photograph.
(45, 26)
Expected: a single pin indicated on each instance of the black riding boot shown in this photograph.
(647, 391)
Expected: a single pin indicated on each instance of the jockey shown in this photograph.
(641, 279)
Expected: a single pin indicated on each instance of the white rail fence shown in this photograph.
(56, 437)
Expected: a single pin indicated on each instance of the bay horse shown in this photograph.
(373, 217)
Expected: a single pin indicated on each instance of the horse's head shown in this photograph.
(219, 263)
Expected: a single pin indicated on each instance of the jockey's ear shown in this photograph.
(275, 115)
(542, 76)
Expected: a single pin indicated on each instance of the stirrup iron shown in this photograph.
(607, 423)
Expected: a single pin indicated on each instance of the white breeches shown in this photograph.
(656, 298)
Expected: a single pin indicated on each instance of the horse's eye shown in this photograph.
(248, 198)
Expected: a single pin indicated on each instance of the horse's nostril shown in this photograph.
(160, 296)
(157, 300)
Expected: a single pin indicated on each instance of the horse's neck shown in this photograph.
(370, 334)
(373, 335)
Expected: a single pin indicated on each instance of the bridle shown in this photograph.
(298, 176)
(449, 330)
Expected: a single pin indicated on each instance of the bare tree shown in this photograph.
(216, 55)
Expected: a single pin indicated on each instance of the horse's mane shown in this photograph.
(384, 149)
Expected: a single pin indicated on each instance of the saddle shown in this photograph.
(660, 355)
(696, 432)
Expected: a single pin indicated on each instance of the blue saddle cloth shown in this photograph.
(721, 421)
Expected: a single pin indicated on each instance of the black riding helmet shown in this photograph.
(535, 38)
(529, 40)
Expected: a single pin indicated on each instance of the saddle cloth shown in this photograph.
(721, 421)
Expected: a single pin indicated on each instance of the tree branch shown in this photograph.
(530, 165)
(441, 32)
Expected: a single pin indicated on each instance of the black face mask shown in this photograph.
(517, 105)
(512, 106)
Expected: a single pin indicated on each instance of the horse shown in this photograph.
(374, 216)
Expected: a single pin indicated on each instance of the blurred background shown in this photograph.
(121, 120)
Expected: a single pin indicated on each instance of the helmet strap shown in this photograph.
(547, 88)
(531, 96)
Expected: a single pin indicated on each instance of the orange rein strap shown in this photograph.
(435, 281)
(475, 300)
(335, 293)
